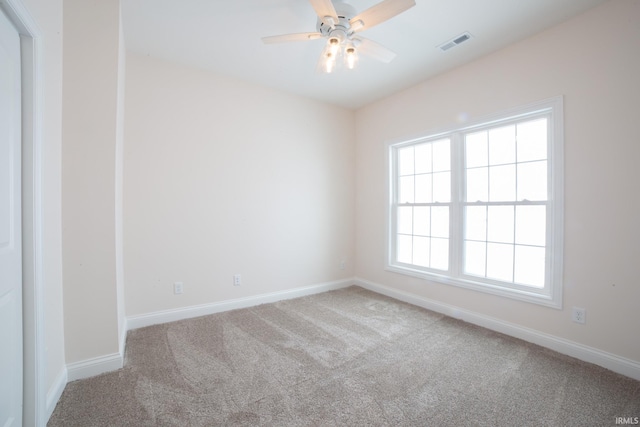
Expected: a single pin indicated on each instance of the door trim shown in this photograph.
(34, 383)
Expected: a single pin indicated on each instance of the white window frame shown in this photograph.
(551, 294)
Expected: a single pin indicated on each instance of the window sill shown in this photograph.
(516, 294)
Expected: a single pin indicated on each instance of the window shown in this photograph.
(481, 206)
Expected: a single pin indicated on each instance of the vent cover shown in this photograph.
(455, 41)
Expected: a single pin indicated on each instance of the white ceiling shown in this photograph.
(224, 36)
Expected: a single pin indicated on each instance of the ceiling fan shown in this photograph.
(340, 25)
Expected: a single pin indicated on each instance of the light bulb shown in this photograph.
(329, 62)
(351, 57)
(334, 45)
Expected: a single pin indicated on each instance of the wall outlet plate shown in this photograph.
(178, 288)
(579, 315)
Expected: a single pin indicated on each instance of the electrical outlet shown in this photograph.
(579, 315)
(237, 280)
(343, 264)
(178, 288)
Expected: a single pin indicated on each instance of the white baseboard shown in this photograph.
(54, 392)
(99, 365)
(621, 365)
(111, 362)
(166, 316)
(96, 366)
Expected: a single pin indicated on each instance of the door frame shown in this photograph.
(34, 366)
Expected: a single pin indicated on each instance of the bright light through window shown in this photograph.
(481, 206)
(424, 193)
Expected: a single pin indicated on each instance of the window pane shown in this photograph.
(532, 140)
(405, 161)
(423, 158)
(405, 220)
(476, 223)
(478, 185)
(406, 189)
(500, 261)
(500, 224)
(531, 224)
(440, 254)
(475, 254)
(440, 221)
(421, 251)
(421, 220)
(442, 187)
(423, 189)
(502, 145)
(532, 181)
(489, 186)
(404, 249)
(530, 266)
(477, 152)
(441, 156)
(502, 183)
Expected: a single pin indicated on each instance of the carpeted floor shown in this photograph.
(343, 358)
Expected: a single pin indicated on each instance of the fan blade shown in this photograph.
(291, 38)
(381, 12)
(324, 8)
(374, 50)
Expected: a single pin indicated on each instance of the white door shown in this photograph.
(10, 228)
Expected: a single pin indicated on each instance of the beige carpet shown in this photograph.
(343, 358)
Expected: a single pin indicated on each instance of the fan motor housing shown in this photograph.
(345, 12)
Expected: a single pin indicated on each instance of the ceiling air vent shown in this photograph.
(455, 41)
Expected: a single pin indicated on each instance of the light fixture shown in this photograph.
(340, 24)
(329, 62)
(339, 44)
(350, 56)
(334, 44)
(330, 54)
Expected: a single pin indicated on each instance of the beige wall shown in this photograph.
(225, 177)
(593, 61)
(90, 101)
